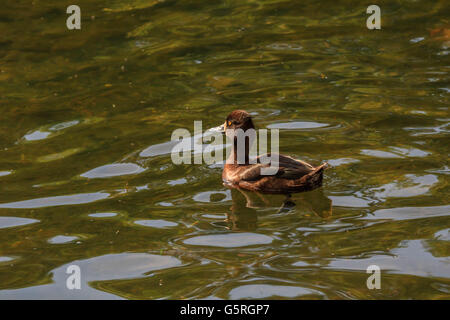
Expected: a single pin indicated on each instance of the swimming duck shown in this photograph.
(292, 176)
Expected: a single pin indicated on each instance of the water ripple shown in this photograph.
(80, 198)
(260, 291)
(8, 222)
(229, 240)
(113, 170)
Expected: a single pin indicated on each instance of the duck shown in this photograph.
(293, 175)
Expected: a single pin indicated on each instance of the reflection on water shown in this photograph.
(97, 272)
(103, 215)
(400, 260)
(260, 291)
(229, 240)
(112, 170)
(246, 206)
(405, 213)
(5, 259)
(86, 176)
(36, 135)
(8, 222)
(56, 201)
(156, 223)
(62, 239)
(296, 125)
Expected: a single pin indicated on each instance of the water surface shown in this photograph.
(86, 176)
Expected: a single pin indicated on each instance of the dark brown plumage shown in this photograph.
(292, 176)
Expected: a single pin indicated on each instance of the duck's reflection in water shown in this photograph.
(246, 204)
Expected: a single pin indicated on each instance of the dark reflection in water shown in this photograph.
(244, 210)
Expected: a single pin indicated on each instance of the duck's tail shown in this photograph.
(314, 178)
(324, 165)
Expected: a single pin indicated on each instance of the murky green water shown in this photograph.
(86, 177)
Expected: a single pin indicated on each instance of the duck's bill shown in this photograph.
(220, 129)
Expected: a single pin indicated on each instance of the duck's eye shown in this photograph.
(229, 123)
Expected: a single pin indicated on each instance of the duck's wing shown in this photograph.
(288, 168)
(252, 172)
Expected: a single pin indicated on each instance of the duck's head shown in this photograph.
(238, 119)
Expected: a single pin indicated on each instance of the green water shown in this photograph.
(86, 176)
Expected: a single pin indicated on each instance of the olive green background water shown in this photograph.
(86, 176)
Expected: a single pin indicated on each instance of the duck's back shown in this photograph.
(292, 176)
